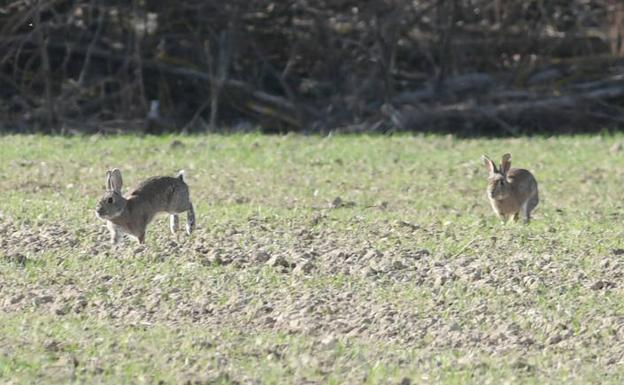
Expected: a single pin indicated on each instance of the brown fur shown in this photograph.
(131, 214)
(512, 191)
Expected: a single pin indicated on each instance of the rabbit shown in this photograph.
(511, 191)
(131, 214)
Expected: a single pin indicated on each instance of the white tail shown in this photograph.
(182, 175)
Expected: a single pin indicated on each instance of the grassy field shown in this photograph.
(372, 260)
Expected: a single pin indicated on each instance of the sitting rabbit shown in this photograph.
(511, 190)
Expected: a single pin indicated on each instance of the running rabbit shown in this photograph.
(131, 214)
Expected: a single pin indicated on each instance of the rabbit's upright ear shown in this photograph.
(114, 181)
(109, 186)
(505, 163)
(489, 164)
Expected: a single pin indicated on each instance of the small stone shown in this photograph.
(368, 272)
(372, 254)
(554, 339)
(261, 256)
(80, 304)
(454, 327)
(204, 344)
(398, 265)
(16, 299)
(278, 260)
(61, 309)
(329, 341)
(241, 200)
(412, 226)
(43, 299)
(304, 267)
(602, 285)
(52, 346)
(340, 203)
(522, 365)
(18, 259)
(336, 203)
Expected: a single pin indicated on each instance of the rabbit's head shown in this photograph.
(112, 204)
(498, 187)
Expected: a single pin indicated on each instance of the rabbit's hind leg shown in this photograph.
(526, 212)
(190, 219)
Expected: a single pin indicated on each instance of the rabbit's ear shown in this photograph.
(505, 163)
(109, 186)
(114, 180)
(489, 164)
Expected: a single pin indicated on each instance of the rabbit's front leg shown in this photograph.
(502, 217)
(173, 223)
(116, 234)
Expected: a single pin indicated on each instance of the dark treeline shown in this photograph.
(470, 67)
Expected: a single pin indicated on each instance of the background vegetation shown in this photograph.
(464, 66)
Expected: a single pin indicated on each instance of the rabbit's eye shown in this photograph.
(110, 200)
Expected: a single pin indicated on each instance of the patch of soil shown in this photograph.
(405, 294)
